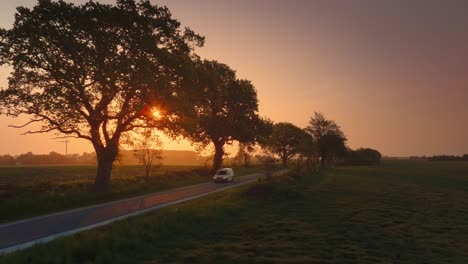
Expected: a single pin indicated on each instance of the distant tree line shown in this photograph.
(53, 158)
(322, 143)
(441, 158)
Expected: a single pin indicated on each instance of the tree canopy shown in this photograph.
(95, 71)
(308, 149)
(226, 109)
(330, 140)
(285, 141)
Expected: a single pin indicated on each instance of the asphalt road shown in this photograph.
(21, 234)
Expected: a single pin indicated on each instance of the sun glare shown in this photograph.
(156, 113)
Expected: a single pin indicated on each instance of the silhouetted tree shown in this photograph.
(268, 162)
(284, 141)
(147, 148)
(308, 150)
(244, 154)
(330, 140)
(227, 110)
(94, 71)
(362, 156)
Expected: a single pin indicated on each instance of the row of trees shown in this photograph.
(321, 143)
(100, 72)
(322, 140)
(97, 72)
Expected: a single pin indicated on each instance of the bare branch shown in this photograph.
(59, 127)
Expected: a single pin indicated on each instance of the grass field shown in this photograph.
(399, 212)
(34, 190)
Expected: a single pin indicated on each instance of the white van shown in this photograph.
(224, 175)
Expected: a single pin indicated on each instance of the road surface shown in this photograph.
(25, 233)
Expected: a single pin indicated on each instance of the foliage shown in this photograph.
(244, 154)
(94, 71)
(268, 163)
(226, 110)
(284, 141)
(330, 140)
(362, 157)
(147, 148)
(308, 150)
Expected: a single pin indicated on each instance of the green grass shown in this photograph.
(34, 190)
(400, 212)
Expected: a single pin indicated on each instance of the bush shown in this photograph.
(362, 157)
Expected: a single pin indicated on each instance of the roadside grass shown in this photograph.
(35, 190)
(399, 212)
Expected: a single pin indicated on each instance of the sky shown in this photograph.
(392, 74)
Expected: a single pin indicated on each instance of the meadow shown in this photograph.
(27, 191)
(399, 212)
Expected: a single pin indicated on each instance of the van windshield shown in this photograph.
(222, 172)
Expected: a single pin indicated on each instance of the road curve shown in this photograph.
(25, 233)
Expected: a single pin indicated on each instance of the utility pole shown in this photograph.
(66, 144)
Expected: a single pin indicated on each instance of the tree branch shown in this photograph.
(28, 123)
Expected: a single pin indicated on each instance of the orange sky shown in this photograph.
(390, 73)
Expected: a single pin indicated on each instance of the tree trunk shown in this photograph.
(218, 156)
(246, 161)
(147, 171)
(106, 158)
(148, 162)
(285, 162)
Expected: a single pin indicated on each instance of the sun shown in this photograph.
(156, 113)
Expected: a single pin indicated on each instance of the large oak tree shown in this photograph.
(94, 71)
(226, 110)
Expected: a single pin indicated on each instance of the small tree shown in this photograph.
(269, 164)
(244, 154)
(284, 141)
(327, 135)
(308, 150)
(147, 149)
